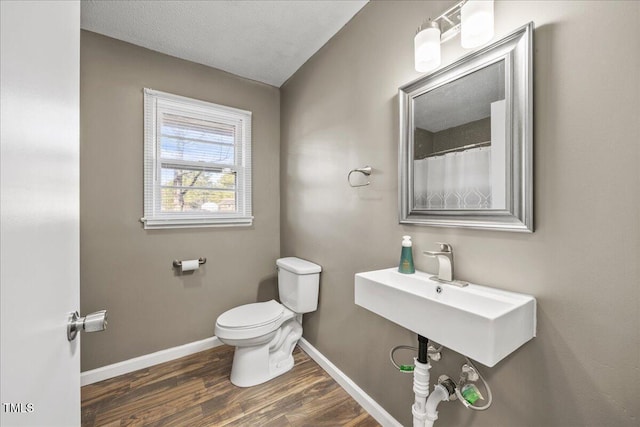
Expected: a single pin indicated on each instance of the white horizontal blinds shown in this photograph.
(243, 162)
(196, 165)
(200, 173)
(150, 127)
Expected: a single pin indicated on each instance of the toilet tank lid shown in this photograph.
(298, 265)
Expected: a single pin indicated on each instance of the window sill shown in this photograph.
(160, 223)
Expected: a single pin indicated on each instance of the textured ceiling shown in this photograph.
(462, 101)
(262, 40)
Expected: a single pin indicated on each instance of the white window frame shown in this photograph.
(155, 104)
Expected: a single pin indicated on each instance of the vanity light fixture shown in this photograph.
(477, 23)
(472, 18)
(427, 47)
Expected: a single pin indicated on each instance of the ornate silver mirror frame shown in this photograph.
(514, 52)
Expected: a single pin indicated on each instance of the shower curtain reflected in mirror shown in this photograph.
(458, 180)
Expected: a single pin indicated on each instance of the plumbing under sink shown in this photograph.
(480, 322)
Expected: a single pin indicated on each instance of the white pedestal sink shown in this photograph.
(482, 323)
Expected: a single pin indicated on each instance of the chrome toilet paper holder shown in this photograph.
(178, 264)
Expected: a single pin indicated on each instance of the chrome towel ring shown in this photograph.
(365, 171)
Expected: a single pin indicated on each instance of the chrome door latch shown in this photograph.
(94, 322)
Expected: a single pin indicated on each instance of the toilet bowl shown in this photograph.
(266, 333)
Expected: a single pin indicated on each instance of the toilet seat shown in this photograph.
(250, 321)
(251, 315)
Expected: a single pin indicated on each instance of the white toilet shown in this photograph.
(265, 333)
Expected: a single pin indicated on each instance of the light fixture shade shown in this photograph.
(427, 49)
(477, 23)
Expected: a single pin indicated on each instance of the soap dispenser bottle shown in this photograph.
(406, 257)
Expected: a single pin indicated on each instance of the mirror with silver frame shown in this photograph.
(466, 134)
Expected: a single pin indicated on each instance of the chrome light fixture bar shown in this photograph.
(472, 18)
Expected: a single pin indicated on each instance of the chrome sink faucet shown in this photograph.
(445, 261)
(445, 264)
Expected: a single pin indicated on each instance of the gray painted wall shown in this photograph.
(339, 112)
(422, 143)
(426, 142)
(126, 269)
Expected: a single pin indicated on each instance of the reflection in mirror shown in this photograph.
(466, 140)
(459, 143)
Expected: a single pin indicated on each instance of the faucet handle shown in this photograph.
(445, 247)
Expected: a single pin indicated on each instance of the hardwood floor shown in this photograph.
(196, 391)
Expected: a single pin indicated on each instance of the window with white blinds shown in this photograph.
(197, 163)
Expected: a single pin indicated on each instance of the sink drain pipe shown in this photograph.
(421, 383)
(424, 410)
(441, 392)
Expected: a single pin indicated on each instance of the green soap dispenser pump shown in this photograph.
(406, 257)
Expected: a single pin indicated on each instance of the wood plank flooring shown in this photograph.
(196, 391)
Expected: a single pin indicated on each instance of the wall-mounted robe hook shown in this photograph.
(365, 171)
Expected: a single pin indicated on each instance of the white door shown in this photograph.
(39, 71)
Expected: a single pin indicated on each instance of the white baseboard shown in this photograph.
(358, 394)
(126, 366)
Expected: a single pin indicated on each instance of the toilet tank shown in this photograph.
(298, 284)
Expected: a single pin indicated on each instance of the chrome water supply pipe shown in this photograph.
(471, 374)
(433, 353)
